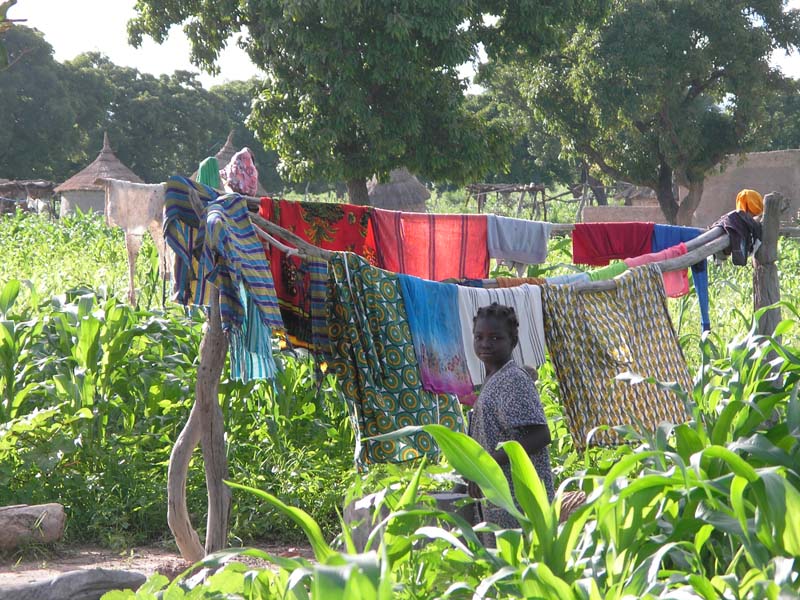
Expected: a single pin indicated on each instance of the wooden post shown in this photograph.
(766, 287)
(205, 425)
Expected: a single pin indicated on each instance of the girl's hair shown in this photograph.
(506, 314)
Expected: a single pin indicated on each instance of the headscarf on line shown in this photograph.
(750, 201)
(208, 173)
(240, 175)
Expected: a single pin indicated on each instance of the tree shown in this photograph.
(37, 112)
(662, 89)
(353, 88)
(782, 130)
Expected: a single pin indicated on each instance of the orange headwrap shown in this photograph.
(750, 201)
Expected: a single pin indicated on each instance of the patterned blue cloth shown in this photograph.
(667, 236)
(251, 352)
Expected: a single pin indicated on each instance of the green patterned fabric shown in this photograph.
(374, 358)
(594, 336)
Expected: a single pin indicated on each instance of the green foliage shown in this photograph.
(353, 88)
(660, 88)
(698, 510)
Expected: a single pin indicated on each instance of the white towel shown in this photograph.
(517, 240)
(527, 303)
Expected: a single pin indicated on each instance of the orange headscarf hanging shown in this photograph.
(750, 201)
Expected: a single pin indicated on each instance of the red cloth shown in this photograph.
(676, 283)
(332, 226)
(597, 243)
(434, 247)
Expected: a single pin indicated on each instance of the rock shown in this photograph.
(25, 524)
(90, 584)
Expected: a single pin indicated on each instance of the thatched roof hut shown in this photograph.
(25, 194)
(225, 155)
(81, 189)
(403, 192)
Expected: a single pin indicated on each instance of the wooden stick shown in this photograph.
(305, 248)
(766, 287)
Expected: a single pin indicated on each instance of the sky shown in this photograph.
(75, 26)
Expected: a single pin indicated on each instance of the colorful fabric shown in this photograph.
(595, 336)
(570, 279)
(373, 357)
(744, 233)
(750, 201)
(597, 243)
(676, 283)
(302, 285)
(609, 272)
(517, 241)
(527, 303)
(233, 255)
(667, 236)
(505, 282)
(182, 233)
(240, 175)
(251, 352)
(508, 402)
(429, 246)
(208, 173)
(431, 309)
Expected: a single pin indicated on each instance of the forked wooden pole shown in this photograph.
(766, 287)
(205, 426)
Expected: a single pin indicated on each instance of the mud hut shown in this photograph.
(80, 190)
(403, 192)
(224, 157)
(27, 194)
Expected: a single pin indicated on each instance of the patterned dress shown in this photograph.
(507, 403)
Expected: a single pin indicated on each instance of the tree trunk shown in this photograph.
(25, 524)
(690, 203)
(357, 192)
(666, 199)
(599, 190)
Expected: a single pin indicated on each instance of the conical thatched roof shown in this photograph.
(403, 192)
(105, 165)
(225, 155)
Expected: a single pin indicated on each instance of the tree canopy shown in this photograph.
(661, 88)
(353, 88)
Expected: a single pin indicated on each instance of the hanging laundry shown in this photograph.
(597, 243)
(609, 272)
(434, 247)
(373, 356)
(432, 308)
(744, 233)
(506, 282)
(667, 236)
(232, 254)
(569, 279)
(676, 283)
(302, 284)
(208, 173)
(251, 352)
(240, 175)
(593, 336)
(517, 241)
(182, 231)
(527, 303)
(750, 201)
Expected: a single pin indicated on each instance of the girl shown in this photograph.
(508, 407)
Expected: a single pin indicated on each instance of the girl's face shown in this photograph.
(492, 341)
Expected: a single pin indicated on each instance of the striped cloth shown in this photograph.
(527, 303)
(181, 232)
(232, 253)
(318, 290)
(251, 352)
(431, 246)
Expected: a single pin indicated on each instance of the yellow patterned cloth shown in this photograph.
(594, 336)
(374, 359)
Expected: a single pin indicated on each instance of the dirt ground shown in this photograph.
(41, 564)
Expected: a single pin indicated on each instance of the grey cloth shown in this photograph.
(508, 402)
(517, 240)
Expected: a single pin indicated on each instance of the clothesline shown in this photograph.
(703, 246)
